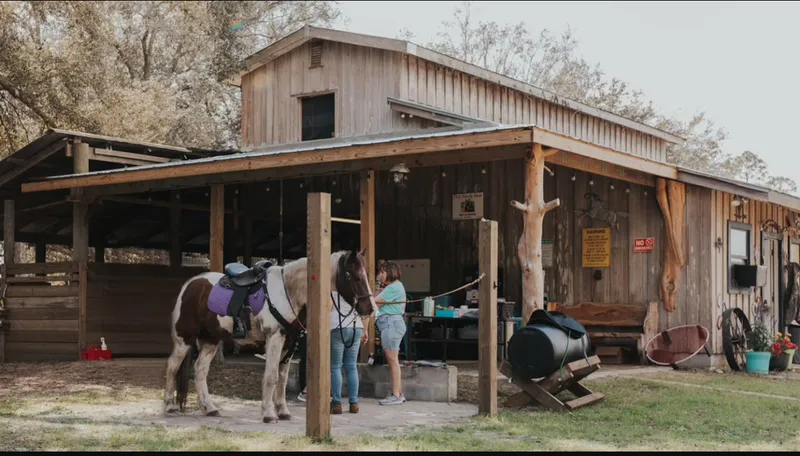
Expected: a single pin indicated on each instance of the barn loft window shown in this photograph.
(316, 54)
(319, 117)
(739, 247)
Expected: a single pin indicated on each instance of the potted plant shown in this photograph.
(759, 342)
(782, 352)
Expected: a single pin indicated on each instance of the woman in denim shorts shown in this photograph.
(392, 325)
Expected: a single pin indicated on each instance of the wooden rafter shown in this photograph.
(32, 161)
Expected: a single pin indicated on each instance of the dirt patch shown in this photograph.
(56, 379)
(468, 389)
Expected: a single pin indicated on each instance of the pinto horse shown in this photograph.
(282, 321)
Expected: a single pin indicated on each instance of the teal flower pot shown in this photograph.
(758, 362)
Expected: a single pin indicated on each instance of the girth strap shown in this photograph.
(290, 330)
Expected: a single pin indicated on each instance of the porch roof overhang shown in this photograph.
(449, 145)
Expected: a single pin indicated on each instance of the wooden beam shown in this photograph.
(158, 203)
(175, 255)
(318, 374)
(217, 236)
(8, 232)
(33, 161)
(251, 162)
(412, 161)
(423, 114)
(80, 210)
(125, 158)
(487, 323)
(602, 155)
(367, 204)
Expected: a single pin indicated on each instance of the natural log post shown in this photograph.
(672, 200)
(487, 323)
(529, 248)
(318, 374)
(367, 217)
(80, 209)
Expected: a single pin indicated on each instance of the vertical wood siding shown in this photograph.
(363, 78)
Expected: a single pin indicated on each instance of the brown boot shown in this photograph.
(353, 408)
(336, 409)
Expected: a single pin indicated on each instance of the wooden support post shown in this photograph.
(175, 254)
(367, 198)
(80, 210)
(100, 254)
(529, 248)
(216, 238)
(487, 324)
(41, 252)
(318, 374)
(8, 232)
(247, 240)
(83, 287)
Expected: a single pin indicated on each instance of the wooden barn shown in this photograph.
(415, 148)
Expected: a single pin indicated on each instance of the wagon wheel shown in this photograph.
(735, 327)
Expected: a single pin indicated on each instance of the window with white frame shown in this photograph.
(739, 247)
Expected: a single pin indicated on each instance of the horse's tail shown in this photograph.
(184, 372)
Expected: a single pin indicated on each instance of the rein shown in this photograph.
(342, 318)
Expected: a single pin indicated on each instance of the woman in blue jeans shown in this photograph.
(392, 325)
(347, 333)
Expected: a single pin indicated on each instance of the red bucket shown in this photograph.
(93, 352)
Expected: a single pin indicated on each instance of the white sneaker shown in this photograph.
(391, 399)
(302, 396)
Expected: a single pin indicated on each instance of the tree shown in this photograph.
(151, 71)
(749, 167)
(782, 184)
(552, 62)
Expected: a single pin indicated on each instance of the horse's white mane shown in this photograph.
(295, 277)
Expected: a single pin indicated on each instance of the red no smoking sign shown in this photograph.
(643, 245)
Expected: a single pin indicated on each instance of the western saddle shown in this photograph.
(244, 282)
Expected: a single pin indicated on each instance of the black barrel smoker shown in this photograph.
(549, 341)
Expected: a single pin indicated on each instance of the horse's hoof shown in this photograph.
(213, 413)
(270, 420)
(285, 416)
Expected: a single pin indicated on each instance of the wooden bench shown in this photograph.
(617, 325)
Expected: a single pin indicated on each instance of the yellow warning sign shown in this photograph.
(597, 247)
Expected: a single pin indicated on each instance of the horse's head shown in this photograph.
(352, 282)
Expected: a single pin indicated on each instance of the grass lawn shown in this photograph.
(636, 414)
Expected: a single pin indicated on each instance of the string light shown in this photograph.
(483, 170)
(573, 178)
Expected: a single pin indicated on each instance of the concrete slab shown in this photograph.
(373, 419)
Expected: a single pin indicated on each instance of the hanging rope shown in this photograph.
(445, 294)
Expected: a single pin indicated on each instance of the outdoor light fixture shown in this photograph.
(400, 174)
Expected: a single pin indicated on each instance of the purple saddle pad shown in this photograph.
(220, 299)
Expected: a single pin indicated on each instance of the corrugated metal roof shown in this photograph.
(309, 146)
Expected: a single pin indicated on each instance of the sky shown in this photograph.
(734, 61)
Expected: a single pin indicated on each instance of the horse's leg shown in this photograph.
(180, 350)
(201, 366)
(279, 396)
(270, 381)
